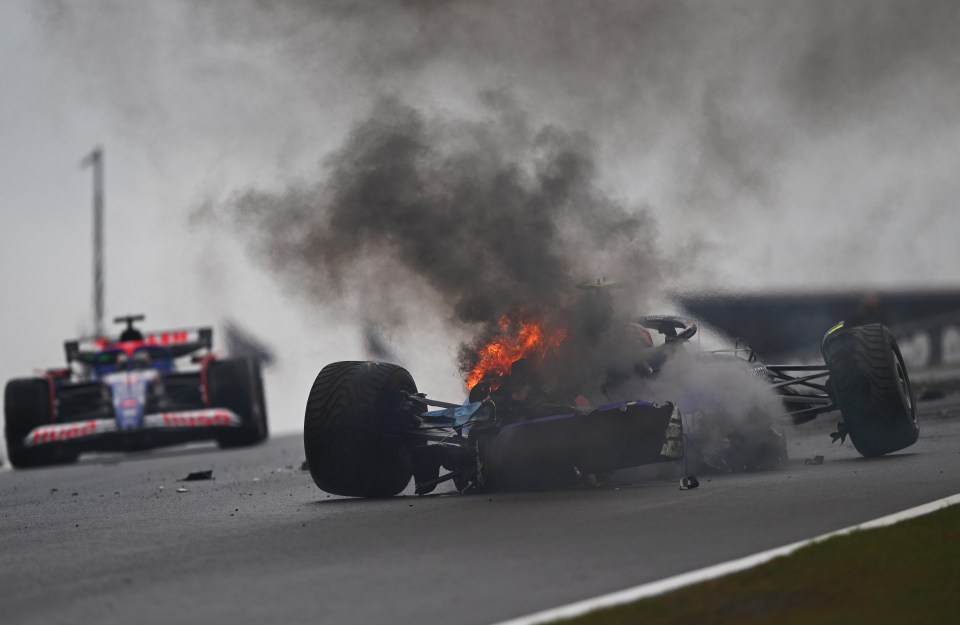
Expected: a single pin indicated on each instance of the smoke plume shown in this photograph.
(744, 123)
(492, 216)
(776, 145)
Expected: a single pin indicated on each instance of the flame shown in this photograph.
(517, 340)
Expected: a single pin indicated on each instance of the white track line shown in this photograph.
(643, 591)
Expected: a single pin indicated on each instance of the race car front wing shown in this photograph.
(187, 420)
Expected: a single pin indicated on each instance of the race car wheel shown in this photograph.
(871, 387)
(352, 426)
(26, 406)
(237, 384)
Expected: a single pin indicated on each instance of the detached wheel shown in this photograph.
(237, 384)
(26, 406)
(872, 388)
(352, 429)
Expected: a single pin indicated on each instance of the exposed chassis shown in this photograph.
(455, 427)
(477, 448)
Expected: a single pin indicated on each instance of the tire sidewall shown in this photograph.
(26, 406)
(906, 390)
(237, 384)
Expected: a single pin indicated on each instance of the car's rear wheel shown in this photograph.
(871, 386)
(237, 384)
(352, 429)
(27, 405)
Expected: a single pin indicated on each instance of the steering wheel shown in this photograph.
(672, 327)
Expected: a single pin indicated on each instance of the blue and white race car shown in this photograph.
(133, 392)
(368, 430)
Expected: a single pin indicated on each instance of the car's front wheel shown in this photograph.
(352, 429)
(28, 404)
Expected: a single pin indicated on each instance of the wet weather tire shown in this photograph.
(352, 429)
(870, 383)
(27, 405)
(237, 384)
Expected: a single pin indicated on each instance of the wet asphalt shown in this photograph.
(110, 540)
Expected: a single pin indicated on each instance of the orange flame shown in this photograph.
(517, 340)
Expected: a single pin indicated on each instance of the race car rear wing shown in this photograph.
(179, 342)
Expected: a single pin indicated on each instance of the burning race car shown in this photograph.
(368, 430)
(130, 393)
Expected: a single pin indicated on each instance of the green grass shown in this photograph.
(904, 574)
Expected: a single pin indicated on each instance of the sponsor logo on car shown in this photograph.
(193, 418)
(68, 431)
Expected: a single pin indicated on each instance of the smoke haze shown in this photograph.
(746, 126)
(759, 145)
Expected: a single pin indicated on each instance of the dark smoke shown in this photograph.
(492, 215)
(736, 119)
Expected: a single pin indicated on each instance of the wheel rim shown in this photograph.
(904, 385)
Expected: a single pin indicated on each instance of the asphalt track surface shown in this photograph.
(102, 542)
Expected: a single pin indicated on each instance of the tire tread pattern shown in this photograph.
(862, 362)
(351, 430)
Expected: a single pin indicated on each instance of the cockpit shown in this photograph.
(140, 358)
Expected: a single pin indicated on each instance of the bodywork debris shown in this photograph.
(198, 475)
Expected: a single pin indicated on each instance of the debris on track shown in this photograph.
(198, 475)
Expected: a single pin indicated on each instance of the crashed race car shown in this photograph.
(368, 429)
(132, 393)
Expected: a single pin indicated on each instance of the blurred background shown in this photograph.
(800, 151)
